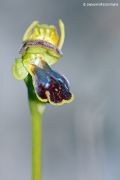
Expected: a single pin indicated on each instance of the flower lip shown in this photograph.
(50, 86)
(40, 42)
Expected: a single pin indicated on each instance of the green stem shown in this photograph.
(36, 141)
(37, 109)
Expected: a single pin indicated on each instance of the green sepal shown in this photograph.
(18, 70)
(34, 50)
(42, 49)
(54, 53)
(47, 54)
(50, 59)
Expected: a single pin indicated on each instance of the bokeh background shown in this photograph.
(81, 140)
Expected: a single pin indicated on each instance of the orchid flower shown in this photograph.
(40, 49)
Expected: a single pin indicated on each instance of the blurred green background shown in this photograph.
(81, 140)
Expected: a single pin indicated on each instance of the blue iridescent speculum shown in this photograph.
(41, 48)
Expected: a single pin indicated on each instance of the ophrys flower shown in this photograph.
(40, 49)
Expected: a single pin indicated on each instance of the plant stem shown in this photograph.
(37, 109)
(36, 141)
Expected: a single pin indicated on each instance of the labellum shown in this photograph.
(49, 85)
